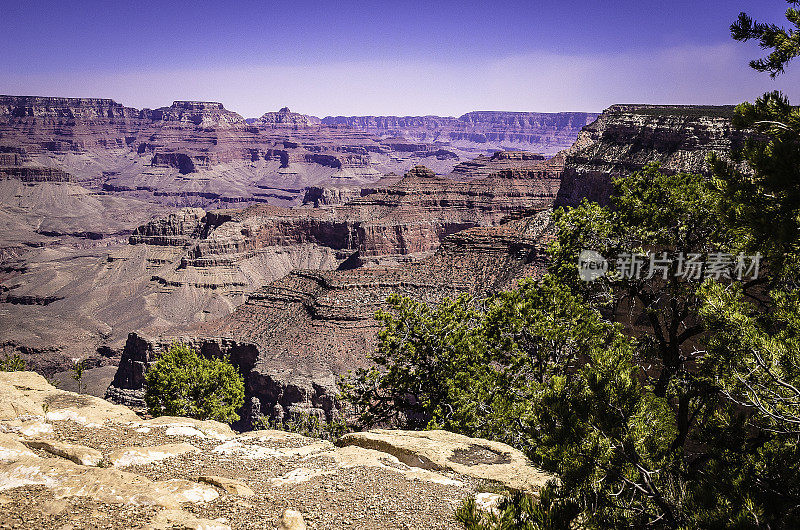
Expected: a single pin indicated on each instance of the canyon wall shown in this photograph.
(294, 336)
(200, 154)
(305, 328)
(627, 137)
(94, 246)
(547, 133)
(66, 298)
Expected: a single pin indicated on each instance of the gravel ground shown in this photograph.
(335, 497)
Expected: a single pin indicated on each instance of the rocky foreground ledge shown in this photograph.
(71, 461)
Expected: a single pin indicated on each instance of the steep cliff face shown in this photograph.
(626, 137)
(404, 219)
(296, 334)
(67, 133)
(64, 108)
(528, 120)
(177, 229)
(34, 174)
(391, 122)
(195, 113)
(188, 154)
(332, 195)
(483, 166)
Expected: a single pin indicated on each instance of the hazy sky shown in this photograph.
(387, 57)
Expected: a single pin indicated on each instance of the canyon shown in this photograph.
(83, 178)
(274, 240)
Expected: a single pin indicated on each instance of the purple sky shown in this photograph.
(399, 57)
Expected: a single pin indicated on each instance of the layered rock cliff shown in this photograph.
(404, 220)
(483, 165)
(78, 275)
(291, 338)
(540, 132)
(74, 297)
(317, 324)
(285, 118)
(626, 137)
(195, 153)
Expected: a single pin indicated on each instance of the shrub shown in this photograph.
(77, 369)
(308, 425)
(183, 383)
(12, 363)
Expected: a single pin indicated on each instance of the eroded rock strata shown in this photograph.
(194, 265)
(195, 153)
(292, 337)
(627, 137)
(535, 131)
(89, 254)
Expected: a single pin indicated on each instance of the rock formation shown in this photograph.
(291, 338)
(626, 137)
(71, 460)
(193, 265)
(90, 251)
(535, 131)
(286, 118)
(483, 165)
(195, 153)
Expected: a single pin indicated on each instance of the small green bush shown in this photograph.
(12, 363)
(307, 425)
(77, 369)
(183, 383)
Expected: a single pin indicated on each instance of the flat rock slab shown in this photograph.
(441, 450)
(79, 454)
(66, 479)
(352, 456)
(136, 456)
(24, 395)
(236, 487)
(254, 450)
(183, 491)
(178, 519)
(175, 426)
